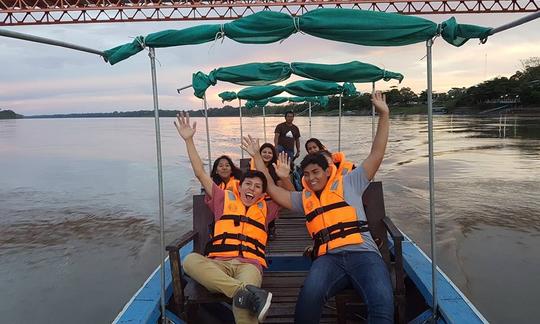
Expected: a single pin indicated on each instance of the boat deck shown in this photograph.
(291, 240)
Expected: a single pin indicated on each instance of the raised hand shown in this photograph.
(250, 145)
(283, 166)
(182, 126)
(379, 101)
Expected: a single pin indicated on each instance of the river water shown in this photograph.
(79, 228)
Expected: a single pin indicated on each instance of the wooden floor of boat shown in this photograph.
(291, 239)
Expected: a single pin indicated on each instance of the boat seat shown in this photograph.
(187, 293)
(245, 164)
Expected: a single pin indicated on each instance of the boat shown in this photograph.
(286, 271)
(429, 294)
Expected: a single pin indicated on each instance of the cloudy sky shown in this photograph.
(42, 79)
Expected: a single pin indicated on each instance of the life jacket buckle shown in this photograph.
(323, 236)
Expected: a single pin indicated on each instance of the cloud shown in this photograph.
(41, 79)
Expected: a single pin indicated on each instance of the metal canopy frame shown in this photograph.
(152, 57)
(21, 12)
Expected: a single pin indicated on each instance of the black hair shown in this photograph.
(316, 158)
(325, 153)
(270, 165)
(289, 112)
(249, 174)
(235, 171)
(317, 142)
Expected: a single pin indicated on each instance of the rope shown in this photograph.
(291, 68)
(140, 40)
(219, 34)
(296, 23)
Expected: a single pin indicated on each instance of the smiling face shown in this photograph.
(312, 147)
(315, 177)
(289, 117)
(267, 154)
(224, 170)
(251, 190)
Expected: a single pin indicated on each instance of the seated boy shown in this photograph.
(235, 254)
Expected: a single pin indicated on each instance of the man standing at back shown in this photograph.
(287, 136)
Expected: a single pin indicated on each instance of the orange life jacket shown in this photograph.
(232, 185)
(330, 220)
(344, 166)
(241, 231)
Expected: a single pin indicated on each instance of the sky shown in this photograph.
(40, 79)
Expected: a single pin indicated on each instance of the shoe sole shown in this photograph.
(264, 310)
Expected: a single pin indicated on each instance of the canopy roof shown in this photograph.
(303, 88)
(267, 73)
(360, 27)
(321, 100)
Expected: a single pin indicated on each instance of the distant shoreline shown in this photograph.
(416, 110)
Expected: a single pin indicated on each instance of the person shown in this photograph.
(225, 173)
(287, 136)
(235, 255)
(344, 251)
(314, 145)
(269, 157)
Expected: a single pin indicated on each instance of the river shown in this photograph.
(79, 228)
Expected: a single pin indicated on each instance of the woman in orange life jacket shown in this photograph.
(225, 174)
(345, 252)
(314, 145)
(269, 156)
(234, 257)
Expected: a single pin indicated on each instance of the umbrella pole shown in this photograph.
(207, 135)
(264, 123)
(152, 56)
(372, 114)
(339, 125)
(429, 44)
(241, 127)
(309, 105)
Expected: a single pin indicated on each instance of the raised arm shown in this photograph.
(186, 132)
(373, 161)
(285, 182)
(281, 196)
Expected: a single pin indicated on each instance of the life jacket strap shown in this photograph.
(237, 236)
(316, 212)
(233, 247)
(339, 230)
(237, 219)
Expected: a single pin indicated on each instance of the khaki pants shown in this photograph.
(226, 277)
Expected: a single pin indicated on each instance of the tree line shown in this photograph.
(521, 89)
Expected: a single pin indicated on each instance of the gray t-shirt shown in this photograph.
(354, 185)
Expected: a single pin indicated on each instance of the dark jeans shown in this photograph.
(280, 149)
(331, 273)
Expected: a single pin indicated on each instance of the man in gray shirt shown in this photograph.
(335, 218)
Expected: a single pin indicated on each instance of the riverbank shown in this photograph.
(300, 110)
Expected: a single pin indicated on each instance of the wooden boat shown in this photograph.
(188, 302)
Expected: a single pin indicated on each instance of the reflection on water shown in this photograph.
(78, 205)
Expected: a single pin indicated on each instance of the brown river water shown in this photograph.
(79, 228)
